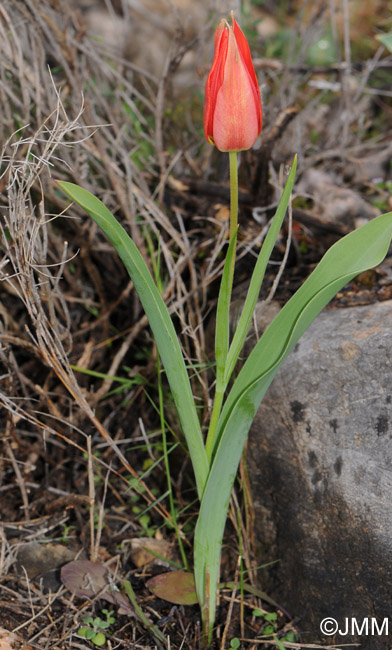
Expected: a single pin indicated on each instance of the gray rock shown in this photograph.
(320, 458)
(334, 203)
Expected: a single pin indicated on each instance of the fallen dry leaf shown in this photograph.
(146, 549)
(222, 212)
(176, 587)
(90, 579)
(37, 559)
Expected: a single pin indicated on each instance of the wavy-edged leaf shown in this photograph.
(159, 320)
(360, 250)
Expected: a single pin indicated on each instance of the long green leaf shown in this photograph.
(258, 276)
(222, 336)
(159, 320)
(357, 252)
(222, 327)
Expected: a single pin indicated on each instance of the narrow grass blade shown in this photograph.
(155, 631)
(357, 252)
(159, 320)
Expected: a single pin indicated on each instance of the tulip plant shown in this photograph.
(232, 122)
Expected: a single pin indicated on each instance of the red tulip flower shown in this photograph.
(232, 107)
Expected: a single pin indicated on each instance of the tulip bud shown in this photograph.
(232, 106)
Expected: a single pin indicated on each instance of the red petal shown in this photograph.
(244, 50)
(215, 78)
(232, 107)
(236, 112)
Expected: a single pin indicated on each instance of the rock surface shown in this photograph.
(320, 458)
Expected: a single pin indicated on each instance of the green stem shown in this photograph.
(220, 389)
(208, 599)
(233, 207)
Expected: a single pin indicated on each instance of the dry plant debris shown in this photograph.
(81, 466)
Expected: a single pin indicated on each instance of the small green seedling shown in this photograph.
(66, 533)
(270, 619)
(235, 643)
(92, 629)
(290, 637)
(270, 628)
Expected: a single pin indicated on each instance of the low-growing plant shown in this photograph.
(66, 533)
(93, 630)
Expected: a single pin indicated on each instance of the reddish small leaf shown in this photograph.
(89, 579)
(85, 579)
(176, 587)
